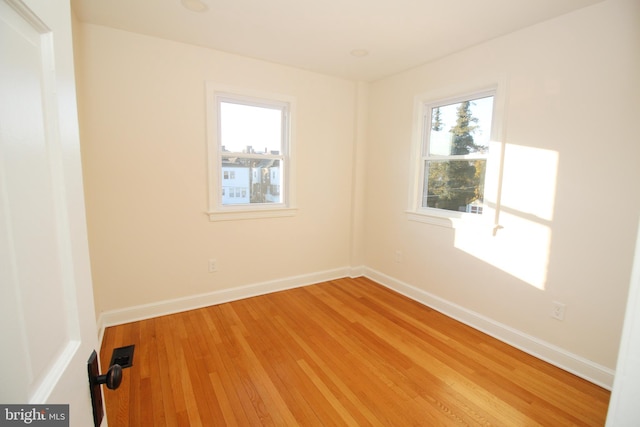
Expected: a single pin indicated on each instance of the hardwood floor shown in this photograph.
(345, 352)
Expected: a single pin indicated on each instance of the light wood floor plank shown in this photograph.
(346, 352)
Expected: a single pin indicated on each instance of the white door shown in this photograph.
(624, 410)
(47, 318)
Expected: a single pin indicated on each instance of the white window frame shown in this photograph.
(423, 104)
(217, 210)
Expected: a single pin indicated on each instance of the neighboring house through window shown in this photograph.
(250, 154)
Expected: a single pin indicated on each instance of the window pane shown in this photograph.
(250, 129)
(454, 185)
(253, 180)
(462, 128)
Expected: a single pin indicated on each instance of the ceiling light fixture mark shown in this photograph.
(359, 53)
(195, 5)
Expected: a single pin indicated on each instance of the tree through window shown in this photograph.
(454, 153)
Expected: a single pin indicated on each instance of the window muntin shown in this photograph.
(455, 147)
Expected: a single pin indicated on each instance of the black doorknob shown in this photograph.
(112, 378)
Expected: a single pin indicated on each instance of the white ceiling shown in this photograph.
(319, 35)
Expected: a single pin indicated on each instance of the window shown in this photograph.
(457, 157)
(455, 151)
(250, 147)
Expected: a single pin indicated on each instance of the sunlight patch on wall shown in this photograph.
(529, 183)
(521, 247)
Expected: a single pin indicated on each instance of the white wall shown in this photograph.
(143, 134)
(572, 151)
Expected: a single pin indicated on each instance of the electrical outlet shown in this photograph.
(557, 311)
(398, 256)
(213, 265)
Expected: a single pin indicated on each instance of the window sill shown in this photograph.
(454, 220)
(242, 214)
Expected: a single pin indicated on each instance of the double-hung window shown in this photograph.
(250, 161)
(457, 158)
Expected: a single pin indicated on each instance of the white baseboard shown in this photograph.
(357, 271)
(550, 353)
(162, 308)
